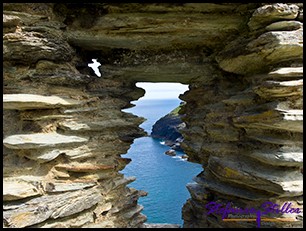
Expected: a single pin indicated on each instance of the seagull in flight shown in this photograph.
(95, 66)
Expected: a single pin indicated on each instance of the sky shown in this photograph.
(162, 90)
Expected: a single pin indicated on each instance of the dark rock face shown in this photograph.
(64, 131)
(168, 128)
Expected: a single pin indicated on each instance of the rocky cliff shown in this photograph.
(65, 133)
(168, 129)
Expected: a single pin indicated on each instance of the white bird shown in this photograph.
(95, 66)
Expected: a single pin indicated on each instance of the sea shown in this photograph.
(163, 177)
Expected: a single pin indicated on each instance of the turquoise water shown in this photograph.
(163, 177)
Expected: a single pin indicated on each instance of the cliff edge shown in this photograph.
(168, 129)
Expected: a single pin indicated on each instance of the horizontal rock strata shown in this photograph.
(64, 133)
(30, 101)
(250, 136)
(34, 141)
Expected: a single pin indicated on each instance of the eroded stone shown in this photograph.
(18, 189)
(227, 189)
(147, 30)
(35, 46)
(285, 183)
(287, 72)
(43, 156)
(62, 186)
(133, 211)
(10, 20)
(288, 120)
(31, 101)
(279, 158)
(244, 56)
(284, 25)
(170, 47)
(40, 140)
(51, 206)
(84, 167)
(93, 125)
(271, 89)
(272, 12)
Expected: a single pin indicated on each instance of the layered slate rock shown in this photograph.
(272, 39)
(250, 136)
(284, 25)
(64, 131)
(14, 189)
(33, 38)
(31, 101)
(65, 134)
(245, 56)
(34, 141)
(156, 38)
(286, 156)
(40, 209)
(128, 29)
(272, 12)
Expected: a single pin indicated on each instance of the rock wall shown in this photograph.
(64, 134)
(64, 131)
(249, 137)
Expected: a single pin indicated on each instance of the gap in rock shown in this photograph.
(164, 177)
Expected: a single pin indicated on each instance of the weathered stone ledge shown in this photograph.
(150, 31)
(74, 125)
(55, 206)
(245, 56)
(276, 89)
(40, 140)
(277, 158)
(278, 119)
(14, 189)
(31, 101)
(272, 12)
(84, 167)
(270, 179)
(287, 72)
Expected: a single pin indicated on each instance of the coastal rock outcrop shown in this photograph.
(168, 129)
(64, 131)
(170, 152)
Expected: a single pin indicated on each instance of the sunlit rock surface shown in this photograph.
(64, 133)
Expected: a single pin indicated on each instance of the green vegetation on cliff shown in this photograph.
(168, 128)
(175, 111)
